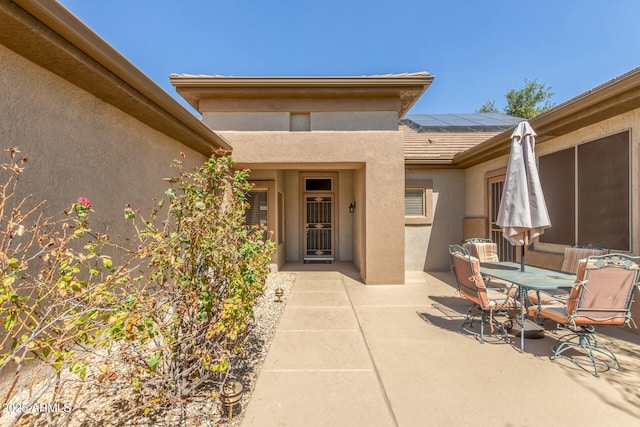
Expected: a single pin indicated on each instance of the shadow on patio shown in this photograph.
(350, 354)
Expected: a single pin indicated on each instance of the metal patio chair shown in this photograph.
(483, 249)
(572, 257)
(486, 302)
(602, 295)
(580, 251)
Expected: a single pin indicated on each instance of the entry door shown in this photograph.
(319, 228)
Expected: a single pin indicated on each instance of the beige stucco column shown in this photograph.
(384, 217)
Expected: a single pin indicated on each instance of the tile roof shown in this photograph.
(438, 147)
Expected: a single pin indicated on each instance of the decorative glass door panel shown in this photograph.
(319, 230)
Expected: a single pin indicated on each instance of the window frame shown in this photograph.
(426, 186)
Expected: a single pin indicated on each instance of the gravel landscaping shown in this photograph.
(91, 403)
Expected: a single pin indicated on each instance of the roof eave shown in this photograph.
(428, 161)
(407, 87)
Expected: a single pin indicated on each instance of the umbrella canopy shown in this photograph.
(523, 212)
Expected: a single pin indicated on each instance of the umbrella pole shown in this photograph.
(522, 259)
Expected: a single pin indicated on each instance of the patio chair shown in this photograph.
(572, 257)
(602, 295)
(580, 251)
(483, 249)
(486, 302)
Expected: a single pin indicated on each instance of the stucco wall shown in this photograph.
(281, 248)
(345, 219)
(354, 120)
(358, 223)
(79, 146)
(318, 120)
(249, 121)
(379, 213)
(292, 214)
(426, 246)
(476, 186)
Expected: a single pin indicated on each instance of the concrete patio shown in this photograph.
(346, 354)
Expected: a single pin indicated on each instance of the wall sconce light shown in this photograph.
(352, 207)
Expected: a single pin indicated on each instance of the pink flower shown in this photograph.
(84, 202)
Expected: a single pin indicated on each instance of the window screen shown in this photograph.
(557, 176)
(603, 191)
(414, 202)
(601, 184)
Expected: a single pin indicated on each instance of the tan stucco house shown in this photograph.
(341, 172)
(329, 156)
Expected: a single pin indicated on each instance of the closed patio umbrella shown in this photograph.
(523, 212)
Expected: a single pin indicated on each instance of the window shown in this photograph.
(299, 122)
(557, 176)
(414, 202)
(418, 202)
(318, 184)
(587, 191)
(256, 213)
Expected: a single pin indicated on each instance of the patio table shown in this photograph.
(533, 278)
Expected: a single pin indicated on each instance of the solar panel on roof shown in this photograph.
(474, 122)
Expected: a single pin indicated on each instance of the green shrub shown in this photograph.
(207, 269)
(168, 318)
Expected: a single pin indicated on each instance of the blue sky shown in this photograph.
(477, 50)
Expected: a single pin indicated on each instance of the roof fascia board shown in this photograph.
(300, 82)
(62, 22)
(408, 87)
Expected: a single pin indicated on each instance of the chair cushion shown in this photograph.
(472, 286)
(556, 312)
(573, 255)
(551, 297)
(501, 300)
(470, 283)
(566, 312)
(485, 251)
(608, 289)
(574, 293)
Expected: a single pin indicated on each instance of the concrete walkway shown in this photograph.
(346, 354)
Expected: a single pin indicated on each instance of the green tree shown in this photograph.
(532, 99)
(488, 107)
